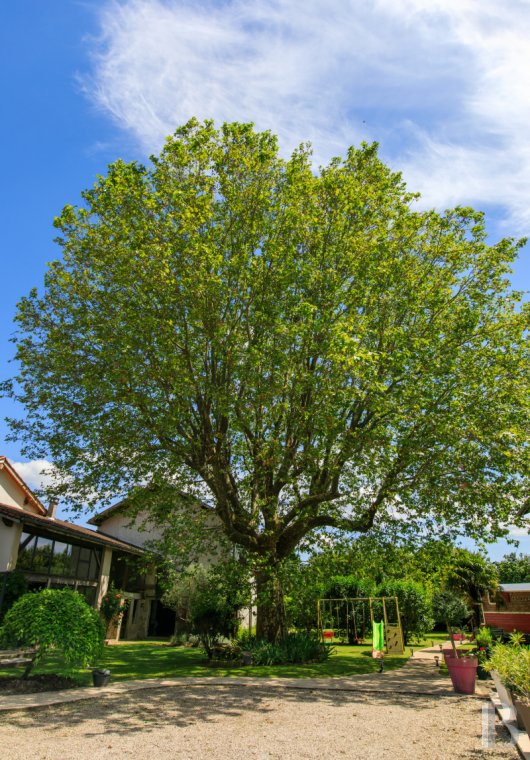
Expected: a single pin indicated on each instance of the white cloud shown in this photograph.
(444, 85)
(518, 532)
(37, 474)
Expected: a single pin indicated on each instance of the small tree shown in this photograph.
(208, 601)
(449, 608)
(471, 575)
(348, 587)
(58, 619)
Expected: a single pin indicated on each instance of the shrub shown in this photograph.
(296, 648)
(113, 605)
(513, 666)
(208, 602)
(229, 652)
(484, 638)
(516, 638)
(415, 606)
(58, 619)
(16, 586)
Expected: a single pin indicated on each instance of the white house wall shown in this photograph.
(13, 495)
(121, 527)
(9, 542)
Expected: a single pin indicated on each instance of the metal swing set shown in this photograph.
(350, 620)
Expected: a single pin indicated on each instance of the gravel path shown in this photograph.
(231, 721)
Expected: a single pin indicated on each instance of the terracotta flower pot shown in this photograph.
(463, 672)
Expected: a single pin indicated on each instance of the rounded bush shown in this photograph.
(58, 619)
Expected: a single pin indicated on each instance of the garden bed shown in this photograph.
(13, 685)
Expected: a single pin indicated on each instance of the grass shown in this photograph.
(155, 659)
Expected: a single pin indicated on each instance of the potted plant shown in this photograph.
(499, 666)
(484, 642)
(510, 665)
(462, 666)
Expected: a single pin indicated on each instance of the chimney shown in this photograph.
(52, 509)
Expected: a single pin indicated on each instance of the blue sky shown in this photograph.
(443, 85)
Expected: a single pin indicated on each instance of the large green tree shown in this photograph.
(305, 346)
(514, 568)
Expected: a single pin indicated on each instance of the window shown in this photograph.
(25, 551)
(62, 556)
(42, 555)
(46, 556)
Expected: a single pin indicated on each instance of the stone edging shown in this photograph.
(520, 738)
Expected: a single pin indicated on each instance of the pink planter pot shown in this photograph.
(463, 672)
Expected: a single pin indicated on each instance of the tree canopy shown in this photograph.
(307, 349)
(514, 568)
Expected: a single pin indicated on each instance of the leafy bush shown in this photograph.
(484, 638)
(208, 602)
(516, 638)
(228, 652)
(513, 666)
(16, 586)
(113, 605)
(415, 606)
(296, 648)
(58, 619)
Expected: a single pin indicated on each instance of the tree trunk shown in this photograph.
(271, 620)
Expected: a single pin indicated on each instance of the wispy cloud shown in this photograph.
(444, 85)
(37, 473)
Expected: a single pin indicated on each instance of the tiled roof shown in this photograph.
(63, 528)
(511, 587)
(100, 517)
(8, 467)
(122, 506)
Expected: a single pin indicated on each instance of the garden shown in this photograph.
(69, 636)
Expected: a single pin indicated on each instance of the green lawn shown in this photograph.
(154, 659)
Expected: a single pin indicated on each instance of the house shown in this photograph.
(511, 609)
(53, 553)
(131, 521)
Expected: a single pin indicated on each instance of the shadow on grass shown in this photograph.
(148, 659)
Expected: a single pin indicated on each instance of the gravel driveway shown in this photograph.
(235, 722)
